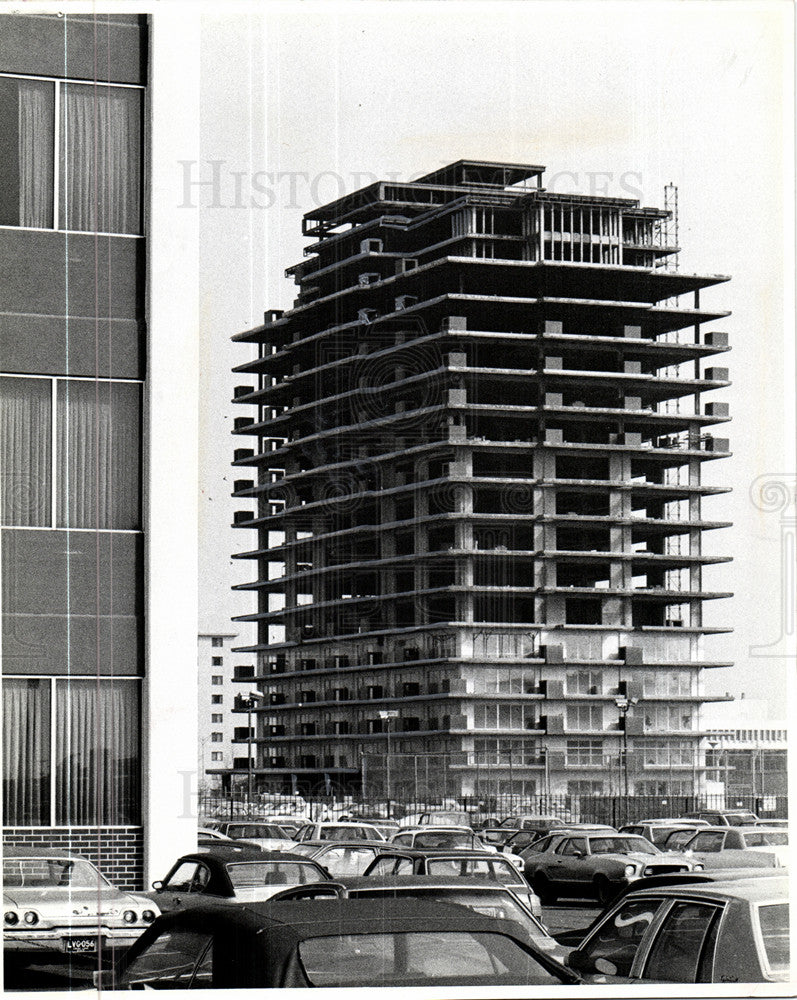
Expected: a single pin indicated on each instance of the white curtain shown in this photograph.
(98, 453)
(97, 752)
(36, 131)
(101, 159)
(26, 752)
(25, 459)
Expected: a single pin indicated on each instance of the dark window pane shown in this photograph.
(615, 944)
(773, 918)
(97, 753)
(176, 958)
(676, 952)
(26, 752)
(98, 454)
(100, 157)
(25, 452)
(27, 130)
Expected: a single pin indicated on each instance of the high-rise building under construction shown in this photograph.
(479, 509)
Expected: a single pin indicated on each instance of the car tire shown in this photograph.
(604, 890)
(544, 890)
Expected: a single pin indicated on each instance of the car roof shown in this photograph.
(421, 881)
(53, 853)
(755, 889)
(359, 842)
(227, 854)
(436, 828)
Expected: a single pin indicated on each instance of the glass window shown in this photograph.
(100, 159)
(27, 128)
(217, 756)
(182, 877)
(52, 873)
(573, 847)
(369, 959)
(176, 958)
(347, 860)
(26, 752)
(612, 949)
(25, 451)
(253, 874)
(773, 920)
(216, 737)
(217, 640)
(216, 661)
(217, 699)
(98, 462)
(708, 842)
(678, 949)
(585, 717)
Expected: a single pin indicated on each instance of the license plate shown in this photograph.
(80, 945)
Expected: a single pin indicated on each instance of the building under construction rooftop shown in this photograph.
(479, 511)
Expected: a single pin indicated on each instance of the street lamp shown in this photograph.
(388, 715)
(624, 704)
(251, 698)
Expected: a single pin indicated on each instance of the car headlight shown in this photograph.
(699, 868)
(11, 918)
(130, 916)
(31, 918)
(629, 870)
(148, 916)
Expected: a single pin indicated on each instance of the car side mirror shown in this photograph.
(157, 885)
(578, 854)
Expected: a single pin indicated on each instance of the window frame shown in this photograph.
(53, 780)
(59, 83)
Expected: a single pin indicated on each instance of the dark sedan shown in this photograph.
(232, 874)
(337, 942)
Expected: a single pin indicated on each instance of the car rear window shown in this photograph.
(498, 904)
(502, 871)
(51, 873)
(411, 958)
(773, 919)
(254, 874)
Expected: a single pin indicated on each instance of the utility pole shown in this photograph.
(388, 715)
(251, 698)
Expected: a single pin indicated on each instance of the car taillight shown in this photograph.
(130, 916)
(31, 918)
(11, 918)
(148, 916)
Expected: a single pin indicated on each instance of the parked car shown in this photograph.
(338, 831)
(541, 825)
(483, 895)
(723, 932)
(440, 837)
(657, 831)
(462, 864)
(341, 857)
(350, 942)
(234, 874)
(733, 846)
(773, 824)
(56, 901)
(595, 865)
(724, 817)
(387, 827)
(267, 836)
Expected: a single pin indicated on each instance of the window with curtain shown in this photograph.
(26, 752)
(97, 753)
(98, 449)
(100, 159)
(27, 130)
(25, 452)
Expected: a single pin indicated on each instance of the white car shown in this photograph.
(441, 837)
(55, 901)
(337, 831)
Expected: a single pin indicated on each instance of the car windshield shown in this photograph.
(773, 919)
(419, 958)
(262, 831)
(621, 845)
(765, 837)
(502, 871)
(254, 874)
(444, 839)
(51, 873)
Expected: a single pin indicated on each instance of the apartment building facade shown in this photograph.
(98, 532)
(476, 448)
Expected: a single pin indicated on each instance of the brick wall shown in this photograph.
(117, 851)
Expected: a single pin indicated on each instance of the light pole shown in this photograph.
(251, 698)
(624, 703)
(388, 715)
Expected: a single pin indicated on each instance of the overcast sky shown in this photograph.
(302, 102)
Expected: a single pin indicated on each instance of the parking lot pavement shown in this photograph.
(568, 916)
(55, 977)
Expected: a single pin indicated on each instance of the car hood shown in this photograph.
(645, 859)
(77, 901)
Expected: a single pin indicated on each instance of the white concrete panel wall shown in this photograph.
(171, 474)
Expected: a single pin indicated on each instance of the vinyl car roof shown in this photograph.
(226, 855)
(419, 882)
(763, 889)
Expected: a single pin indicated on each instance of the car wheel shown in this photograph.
(544, 890)
(604, 890)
